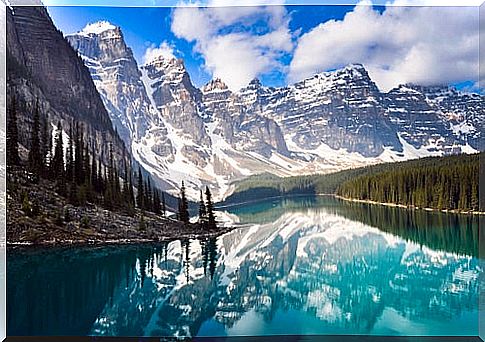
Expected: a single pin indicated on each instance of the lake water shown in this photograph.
(298, 266)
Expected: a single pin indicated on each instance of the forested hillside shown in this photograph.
(442, 183)
(450, 182)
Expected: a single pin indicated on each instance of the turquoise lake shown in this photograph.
(305, 265)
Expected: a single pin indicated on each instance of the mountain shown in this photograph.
(41, 65)
(214, 136)
(116, 76)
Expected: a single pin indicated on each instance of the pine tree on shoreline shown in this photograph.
(202, 210)
(183, 205)
(211, 219)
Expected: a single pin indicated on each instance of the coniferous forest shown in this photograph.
(72, 166)
(441, 183)
(450, 182)
(67, 163)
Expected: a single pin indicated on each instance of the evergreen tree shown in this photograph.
(164, 206)
(147, 191)
(132, 194)
(126, 189)
(70, 156)
(202, 209)
(105, 179)
(140, 196)
(179, 206)
(157, 209)
(99, 177)
(448, 183)
(12, 135)
(149, 195)
(118, 199)
(211, 219)
(87, 165)
(184, 206)
(94, 171)
(45, 144)
(57, 163)
(78, 155)
(35, 157)
(474, 202)
(142, 225)
(110, 186)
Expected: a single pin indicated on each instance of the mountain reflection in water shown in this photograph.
(303, 266)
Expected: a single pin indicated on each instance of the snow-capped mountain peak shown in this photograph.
(213, 136)
(215, 85)
(161, 61)
(97, 28)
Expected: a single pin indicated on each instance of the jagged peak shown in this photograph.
(409, 88)
(351, 72)
(96, 28)
(215, 85)
(158, 58)
(255, 82)
(356, 69)
(434, 88)
(428, 91)
(354, 66)
(253, 85)
(164, 62)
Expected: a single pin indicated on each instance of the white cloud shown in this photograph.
(164, 49)
(226, 39)
(402, 44)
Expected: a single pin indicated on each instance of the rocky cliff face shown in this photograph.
(116, 76)
(463, 111)
(214, 136)
(42, 65)
(242, 126)
(340, 109)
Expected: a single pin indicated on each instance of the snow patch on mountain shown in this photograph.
(213, 137)
(97, 28)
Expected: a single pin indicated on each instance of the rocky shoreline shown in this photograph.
(53, 222)
(396, 205)
(96, 240)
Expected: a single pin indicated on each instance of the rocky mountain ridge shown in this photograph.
(214, 136)
(43, 67)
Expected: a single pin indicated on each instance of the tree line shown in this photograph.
(451, 184)
(206, 208)
(70, 162)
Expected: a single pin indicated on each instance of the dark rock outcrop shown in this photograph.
(43, 66)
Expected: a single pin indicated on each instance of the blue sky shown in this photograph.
(283, 44)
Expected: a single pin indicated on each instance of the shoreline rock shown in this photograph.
(56, 222)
